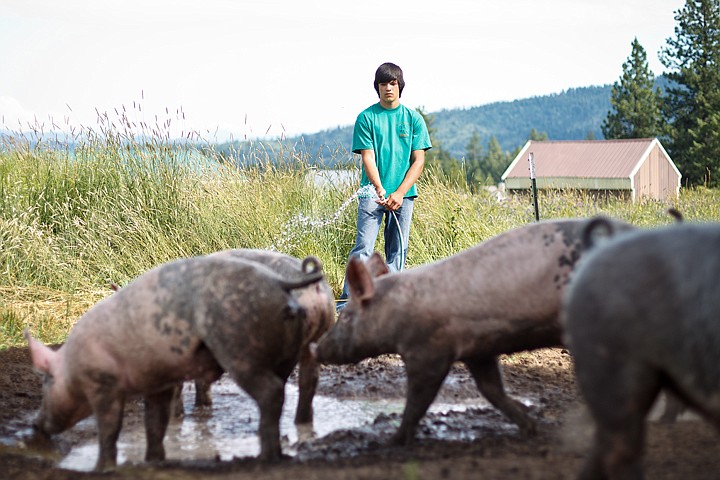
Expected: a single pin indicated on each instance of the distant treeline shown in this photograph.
(573, 114)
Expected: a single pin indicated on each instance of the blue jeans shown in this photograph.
(369, 219)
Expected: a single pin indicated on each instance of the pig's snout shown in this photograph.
(37, 427)
(319, 349)
(39, 440)
(42, 427)
(42, 424)
(328, 348)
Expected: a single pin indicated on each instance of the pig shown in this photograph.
(187, 319)
(641, 315)
(599, 230)
(319, 303)
(500, 296)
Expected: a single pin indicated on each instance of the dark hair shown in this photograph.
(386, 73)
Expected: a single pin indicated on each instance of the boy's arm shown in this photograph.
(371, 171)
(417, 164)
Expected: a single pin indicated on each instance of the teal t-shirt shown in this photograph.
(393, 135)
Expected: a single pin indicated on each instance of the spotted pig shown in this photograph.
(187, 319)
(318, 301)
(501, 296)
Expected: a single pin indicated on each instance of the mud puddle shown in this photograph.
(342, 427)
(686, 449)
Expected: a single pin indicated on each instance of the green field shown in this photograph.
(73, 222)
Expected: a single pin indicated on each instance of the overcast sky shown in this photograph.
(254, 67)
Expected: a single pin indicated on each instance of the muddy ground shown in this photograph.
(491, 449)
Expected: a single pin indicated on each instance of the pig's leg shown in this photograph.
(486, 372)
(157, 416)
(268, 390)
(674, 407)
(425, 377)
(202, 393)
(108, 406)
(210, 371)
(619, 395)
(178, 408)
(308, 375)
(617, 452)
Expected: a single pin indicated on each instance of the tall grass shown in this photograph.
(75, 220)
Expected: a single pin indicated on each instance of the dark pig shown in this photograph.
(597, 231)
(642, 315)
(319, 303)
(187, 319)
(501, 296)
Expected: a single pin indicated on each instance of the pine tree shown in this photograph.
(473, 157)
(495, 162)
(635, 104)
(437, 158)
(691, 104)
(537, 136)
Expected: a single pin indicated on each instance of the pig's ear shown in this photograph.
(360, 280)
(377, 266)
(44, 358)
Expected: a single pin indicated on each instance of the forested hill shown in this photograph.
(574, 114)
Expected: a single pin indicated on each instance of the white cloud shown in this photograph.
(302, 66)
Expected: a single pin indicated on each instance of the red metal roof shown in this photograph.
(584, 158)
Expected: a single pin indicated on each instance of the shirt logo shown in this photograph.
(403, 130)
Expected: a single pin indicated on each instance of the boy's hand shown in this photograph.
(393, 202)
(380, 192)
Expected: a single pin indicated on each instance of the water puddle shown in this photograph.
(228, 429)
(342, 427)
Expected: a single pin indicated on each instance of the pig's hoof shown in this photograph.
(666, 419)
(105, 466)
(272, 457)
(401, 440)
(529, 429)
(155, 457)
(305, 432)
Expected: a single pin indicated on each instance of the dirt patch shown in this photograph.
(475, 443)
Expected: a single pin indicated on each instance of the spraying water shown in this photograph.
(301, 223)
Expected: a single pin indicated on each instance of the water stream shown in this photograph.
(301, 224)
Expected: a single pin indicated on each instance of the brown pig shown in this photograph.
(186, 319)
(501, 296)
(319, 303)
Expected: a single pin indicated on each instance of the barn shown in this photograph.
(629, 168)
